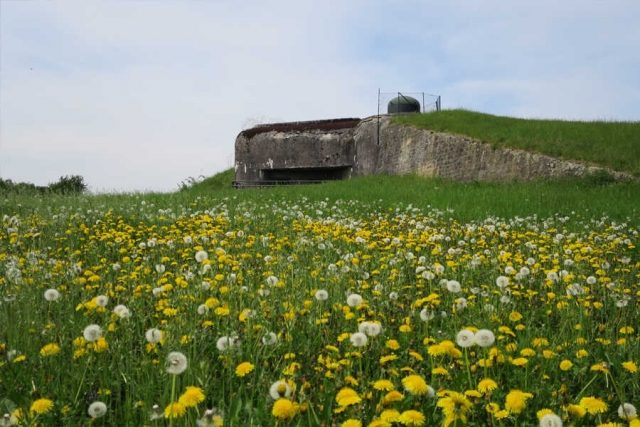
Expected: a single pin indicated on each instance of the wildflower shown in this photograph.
(225, 343)
(354, 300)
(92, 333)
(97, 409)
(593, 405)
(321, 295)
(427, 315)
(576, 410)
(41, 406)
(272, 280)
(153, 335)
(358, 339)
(49, 350)
(174, 410)
(565, 365)
(244, 368)
(502, 282)
(270, 339)
(347, 396)
(122, 311)
(391, 397)
(487, 385)
(455, 406)
(415, 385)
(630, 366)
(453, 286)
(385, 385)
(10, 420)
(283, 409)
(392, 345)
(51, 295)
(176, 363)
(210, 419)
(191, 397)
(351, 423)
(550, 420)
(102, 300)
(515, 401)
(411, 418)
(465, 338)
(279, 389)
(389, 415)
(370, 328)
(484, 338)
(201, 256)
(627, 411)
(156, 413)
(100, 345)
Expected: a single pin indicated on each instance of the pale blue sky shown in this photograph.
(139, 95)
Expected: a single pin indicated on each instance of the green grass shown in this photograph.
(465, 201)
(612, 144)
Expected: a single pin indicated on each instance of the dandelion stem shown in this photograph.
(466, 360)
(173, 395)
(585, 387)
(84, 374)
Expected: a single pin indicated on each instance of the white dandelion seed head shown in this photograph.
(225, 343)
(489, 308)
(505, 299)
(270, 339)
(205, 286)
(263, 292)
(97, 409)
(322, 295)
(156, 413)
(502, 282)
(553, 276)
(153, 335)
(116, 267)
(188, 240)
(272, 280)
(393, 296)
(427, 315)
(428, 275)
(439, 269)
(176, 363)
(484, 338)
(430, 392)
(205, 268)
(465, 338)
(509, 270)
(622, 303)
(354, 300)
(92, 333)
(627, 411)
(51, 295)
(358, 339)
(102, 300)
(453, 286)
(370, 328)
(122, 311)
(461, 303)
(201, 256)
(203, 309)
(160, 268)
(524, 271)
(157, 291)
(378, 288)
(591, 280)
(550, 420)
(280, 389)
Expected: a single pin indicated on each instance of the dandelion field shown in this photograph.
(265, 308)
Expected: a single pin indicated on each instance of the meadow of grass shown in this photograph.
(381, 301)
(608, 143)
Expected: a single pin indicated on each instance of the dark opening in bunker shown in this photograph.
(306, 174)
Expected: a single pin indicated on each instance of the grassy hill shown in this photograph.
(612, 144)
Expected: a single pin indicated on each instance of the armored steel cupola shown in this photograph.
(403, 104)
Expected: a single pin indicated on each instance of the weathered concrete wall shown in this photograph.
(407, 149)
(282, 150)
(376, 146)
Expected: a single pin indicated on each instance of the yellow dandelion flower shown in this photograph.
(527, 352)
(415, 385)
(244, 368)
(100, 345)
(379, 423)
(392, 345)
(542, 412)
(352, 423)
(436, 350)
(384, 385)
(455, 406)
(630, 366)
(283, 409)
(516, 401)
(576, 410)
(487, 385)
(515, 316)
(41, 406)
(386, 359)
(565, 365)
(175, 410)
(347, 396)
(411, 418)
(50, 350)
(520, 361)
(389, 415)
(501, 414)
(391, 397)
(472, 393)
(593, 405)
(492, 407)
(439, 370)
(416, 356)
(191, 397)
(582, 353)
